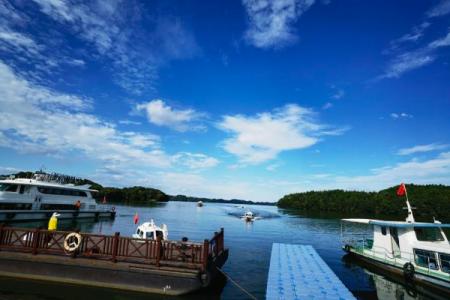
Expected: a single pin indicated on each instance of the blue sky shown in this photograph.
(231, 99)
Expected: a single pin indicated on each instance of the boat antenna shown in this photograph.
(410, 217)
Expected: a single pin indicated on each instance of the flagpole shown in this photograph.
(410, 217)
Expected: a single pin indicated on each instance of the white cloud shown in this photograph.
(435, 170)
(397, 116)
(260, 138)
(161, 114)
(129, 122)
(271, 22)
(338, 94)
(416, 33)
(440, 9)
(34, 119)
(195, 160)
(110, 31)
(408, 61)
(421, 149)
(327, 105)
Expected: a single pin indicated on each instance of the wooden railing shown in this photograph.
(114, 247)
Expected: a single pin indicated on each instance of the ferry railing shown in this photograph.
(114, 248)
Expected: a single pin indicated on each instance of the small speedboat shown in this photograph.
(200, 203)
(248, 216)
(150, 231)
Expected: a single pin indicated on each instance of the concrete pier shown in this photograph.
(298, 272)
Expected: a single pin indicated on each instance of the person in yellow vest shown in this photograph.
(53, 222)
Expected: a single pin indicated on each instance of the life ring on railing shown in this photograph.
(72, 242)
(113, 209)
(408, 270)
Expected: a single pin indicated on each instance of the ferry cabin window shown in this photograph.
(383, 230)
(445, 262)
(64, 192)
(426, 259)
(149, 235)
(24, 189)
(7, 187)
(428, 234)
(159, 233)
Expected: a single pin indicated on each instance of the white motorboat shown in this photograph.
(200, 203)
(418, 251)
(248, 216)
(25, 199)
(149, 230)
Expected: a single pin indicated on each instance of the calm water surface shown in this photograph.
(249, 243)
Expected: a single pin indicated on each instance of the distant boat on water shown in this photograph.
(199, 203)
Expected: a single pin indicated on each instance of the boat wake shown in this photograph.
(239, 212)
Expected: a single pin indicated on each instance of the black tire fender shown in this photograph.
(408, 270)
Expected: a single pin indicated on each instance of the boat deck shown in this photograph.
(298, 272)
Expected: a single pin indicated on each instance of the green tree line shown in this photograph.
(430, 201)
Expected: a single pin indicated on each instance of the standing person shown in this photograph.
(52, 226)
(77, 207)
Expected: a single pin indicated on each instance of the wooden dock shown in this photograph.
(111, 261)
(298, 272)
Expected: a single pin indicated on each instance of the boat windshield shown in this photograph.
(427, 234)
(160, 234)
(7, 187)
(149, 235)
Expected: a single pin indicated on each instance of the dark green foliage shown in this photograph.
(183, 198)
(132, 195)
(430, 200)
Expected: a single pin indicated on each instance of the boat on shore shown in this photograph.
(418, 251)
(24, 199)
(111, 261)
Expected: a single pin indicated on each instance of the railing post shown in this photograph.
(222, 239)
(115, 246)
(205, 254)
(36, 235)
(216, 246)
(158, 250)
(2, 226)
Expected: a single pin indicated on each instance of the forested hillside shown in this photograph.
(430, 201)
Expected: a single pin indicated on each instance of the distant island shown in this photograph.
(136, 195)
(430, 201)
(183, 198)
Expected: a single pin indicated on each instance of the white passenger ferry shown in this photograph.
(23, 199)
(417, 251)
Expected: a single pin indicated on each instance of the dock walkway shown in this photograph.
(298, 272)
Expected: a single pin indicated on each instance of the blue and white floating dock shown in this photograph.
(298, 272)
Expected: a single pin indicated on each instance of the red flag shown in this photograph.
(136, 218)
(104, 199)
(401, 191)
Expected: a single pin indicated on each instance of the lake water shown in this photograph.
(249, 243)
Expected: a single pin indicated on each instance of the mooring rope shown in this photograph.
(236, 284)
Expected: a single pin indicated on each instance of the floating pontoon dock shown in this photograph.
(298, 272)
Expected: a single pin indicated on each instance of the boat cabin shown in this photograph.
(150, 231)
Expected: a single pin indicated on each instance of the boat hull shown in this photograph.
(442, 286)
(105, 274)
(37, 215)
